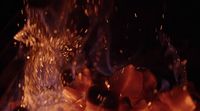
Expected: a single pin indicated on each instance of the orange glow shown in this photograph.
(50, 50)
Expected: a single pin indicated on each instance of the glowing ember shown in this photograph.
(139, 88)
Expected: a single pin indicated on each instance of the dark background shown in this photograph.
(136, 37)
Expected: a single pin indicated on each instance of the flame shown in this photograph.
(48, 53)
(47, 56)
(54, 47)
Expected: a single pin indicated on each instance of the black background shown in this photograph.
(135, 36)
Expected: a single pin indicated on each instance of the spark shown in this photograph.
(135, 15)
(107, 84)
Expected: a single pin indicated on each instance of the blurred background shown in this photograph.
(133, 29)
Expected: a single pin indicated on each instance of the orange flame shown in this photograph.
(51, 47)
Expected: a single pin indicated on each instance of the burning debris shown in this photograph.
(59, 75)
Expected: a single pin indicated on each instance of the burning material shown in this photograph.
(140, 89)
(59, 77)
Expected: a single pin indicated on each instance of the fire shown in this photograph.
(42, 82)
(54, 47)
(140, 88)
